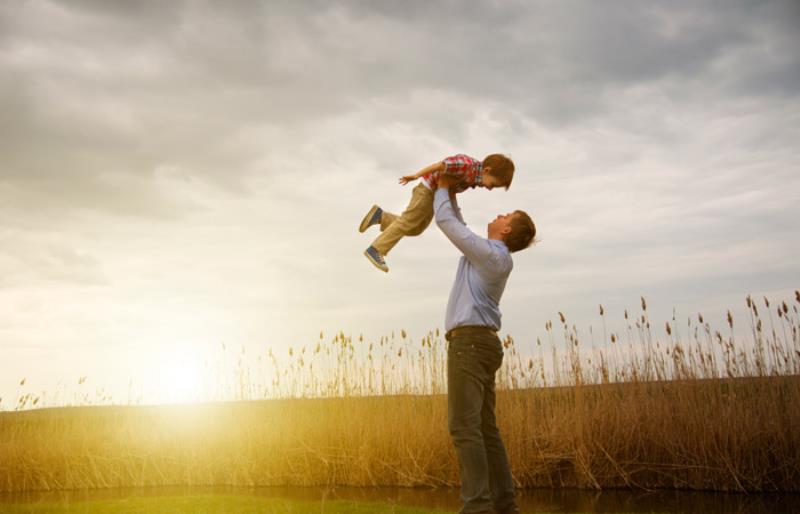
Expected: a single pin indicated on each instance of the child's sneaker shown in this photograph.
(376, 258)
(373, 217)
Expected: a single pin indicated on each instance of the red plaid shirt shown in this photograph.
(467, 170)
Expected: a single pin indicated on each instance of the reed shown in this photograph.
(686, 407)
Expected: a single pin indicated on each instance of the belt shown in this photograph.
(469, 329)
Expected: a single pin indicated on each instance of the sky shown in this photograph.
(178, 175)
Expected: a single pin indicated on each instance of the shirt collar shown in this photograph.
(499, 242)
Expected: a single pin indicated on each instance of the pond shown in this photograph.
(178, 499)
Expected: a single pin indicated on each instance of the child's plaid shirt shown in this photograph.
(467, 170)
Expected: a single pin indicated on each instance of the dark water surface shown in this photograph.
(567, 501)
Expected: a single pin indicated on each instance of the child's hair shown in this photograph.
(502, 168)
(523, 231)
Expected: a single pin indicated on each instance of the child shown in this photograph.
(496, 170)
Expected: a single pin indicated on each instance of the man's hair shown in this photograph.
(523, 231)
(502, 168)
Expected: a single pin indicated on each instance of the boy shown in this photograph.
(496, 170)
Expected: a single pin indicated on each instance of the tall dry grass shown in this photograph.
(683, 407)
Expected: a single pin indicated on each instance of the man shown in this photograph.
(475, 352)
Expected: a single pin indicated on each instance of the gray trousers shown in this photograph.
(472, 361)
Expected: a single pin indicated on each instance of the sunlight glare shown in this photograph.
(180, 377)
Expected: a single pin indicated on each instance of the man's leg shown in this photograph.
(466, 379)
(501, 483)
(412, 222)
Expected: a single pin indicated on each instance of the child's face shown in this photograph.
(489, 181)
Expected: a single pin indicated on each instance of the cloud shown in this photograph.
(28, 262)
(95, 90)
(196, 170)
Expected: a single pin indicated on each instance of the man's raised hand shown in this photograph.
(407, 178)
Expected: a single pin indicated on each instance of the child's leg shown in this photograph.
(387, 218)
(414, 220)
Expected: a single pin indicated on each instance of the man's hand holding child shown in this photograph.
(445, 181)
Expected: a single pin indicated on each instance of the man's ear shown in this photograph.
(506, 230)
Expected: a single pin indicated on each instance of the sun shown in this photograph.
(180, 378)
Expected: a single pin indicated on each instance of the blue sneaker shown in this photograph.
(376, 258)
(373, 217)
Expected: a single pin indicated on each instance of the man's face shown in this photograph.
(501, 222)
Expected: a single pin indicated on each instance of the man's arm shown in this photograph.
(437, 166)
(474, 247)
(456, 207)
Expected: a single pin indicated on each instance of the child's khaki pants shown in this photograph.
(414, 220)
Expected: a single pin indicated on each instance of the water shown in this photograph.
(567, 501)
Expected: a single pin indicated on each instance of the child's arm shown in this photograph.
(438, 166)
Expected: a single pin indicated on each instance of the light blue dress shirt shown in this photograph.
(482, 271)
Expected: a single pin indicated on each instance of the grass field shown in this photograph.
(355, 499)
(218, 504)
(695, 410)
